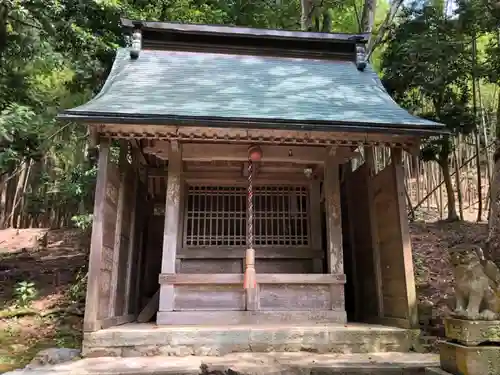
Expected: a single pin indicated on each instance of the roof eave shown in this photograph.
(254, 123)
(224, 30)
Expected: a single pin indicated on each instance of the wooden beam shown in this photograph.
(261, 136)
(120, 210)
(224, 318)
(370, 164)
(411, 295)
(90, 320)
(117, 321)
(150, 309)
(132, 246)
(209, 152)
(93, 136)
(268, 252)
(171, 227)
(315, 221)
(237, 278)
(235, 178)
(331, 186)
(354, 248)
(333, 215)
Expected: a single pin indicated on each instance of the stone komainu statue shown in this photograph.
(477, 284)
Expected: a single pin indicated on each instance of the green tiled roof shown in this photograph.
(173, 85)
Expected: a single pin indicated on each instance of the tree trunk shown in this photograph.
(476, 131)
(384, 28)
(21, 218)
(368, 16)
(458, 183)
(17, 195)
(306, 14)
(452, 210)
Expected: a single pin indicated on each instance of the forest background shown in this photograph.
(439, 59)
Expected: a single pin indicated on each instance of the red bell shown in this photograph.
(254, 153)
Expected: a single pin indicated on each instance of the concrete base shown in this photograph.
(136, 340)
(471, 332)
(469, 360)
(251, 364)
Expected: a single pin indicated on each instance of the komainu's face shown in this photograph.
(463, 257)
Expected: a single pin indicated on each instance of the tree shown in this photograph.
(426, 68)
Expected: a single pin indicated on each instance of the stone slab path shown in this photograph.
(248, 364)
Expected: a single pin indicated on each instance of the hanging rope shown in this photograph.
(250, 205)
(249, 277)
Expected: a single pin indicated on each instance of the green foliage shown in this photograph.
(24, 293)
(83, 222)
(76, 292)
(56, 54)
(426, 67)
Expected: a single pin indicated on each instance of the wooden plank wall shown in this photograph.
(114, 244)
(142, 213)
(397, 279)
(108, 239)
(365, 285)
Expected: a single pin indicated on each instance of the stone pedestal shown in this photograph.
(459, 359)
(470, 332)
(473, 348)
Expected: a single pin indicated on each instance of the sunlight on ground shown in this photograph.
(22, 338)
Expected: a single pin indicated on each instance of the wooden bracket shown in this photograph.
(174, 144)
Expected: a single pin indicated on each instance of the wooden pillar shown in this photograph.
(411, 295)
(335, 261)
(315, 222)
(370, 164)
(172, 225)
(123, 168)
(133, 247)
(331, 188)
(90, 320)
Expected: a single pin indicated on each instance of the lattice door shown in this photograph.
(216, 216)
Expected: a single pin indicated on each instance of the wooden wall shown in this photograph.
(110, 210)
(364, 282)
(206, 284)
(115, 245)
(396, 264)
(384, 282)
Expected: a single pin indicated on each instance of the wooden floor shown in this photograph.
(149, 339)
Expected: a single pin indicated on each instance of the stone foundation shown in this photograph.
(470, 332)
(469, 360)
(251, 364)
(137, 340)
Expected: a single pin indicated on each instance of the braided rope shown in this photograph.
(250, 206)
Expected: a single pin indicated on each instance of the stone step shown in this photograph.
(435, 371)
(136, 340)
(250, 364)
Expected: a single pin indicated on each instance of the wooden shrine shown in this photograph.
(174, 123)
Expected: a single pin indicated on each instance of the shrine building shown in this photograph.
(237, 188)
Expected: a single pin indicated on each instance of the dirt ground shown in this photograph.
(55, 270)
(54, 317)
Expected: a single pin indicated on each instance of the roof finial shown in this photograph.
(360, 57)
(136, 45)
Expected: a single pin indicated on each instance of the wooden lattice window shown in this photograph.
(217, 216)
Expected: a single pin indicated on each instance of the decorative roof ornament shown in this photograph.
(360, 57)
(136, 44)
